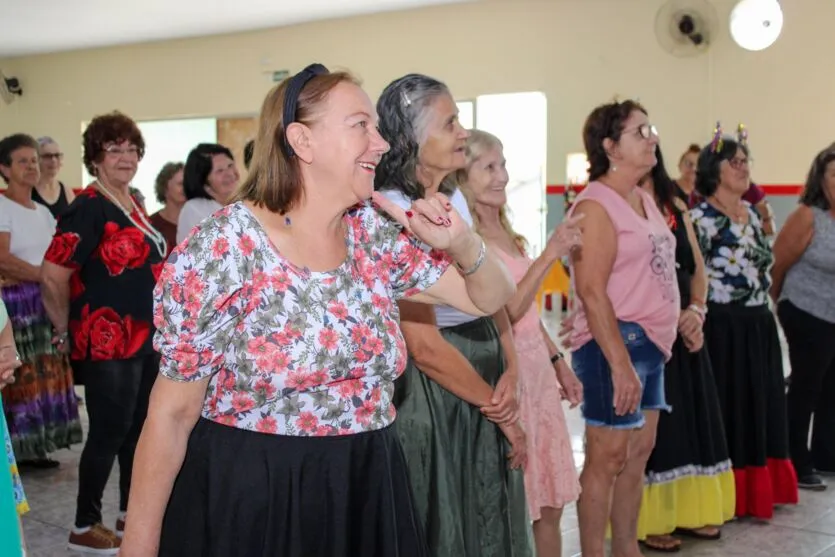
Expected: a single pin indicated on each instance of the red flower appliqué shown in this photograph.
(62, 248)
(122, 248)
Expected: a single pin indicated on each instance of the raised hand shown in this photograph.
(565, 238)
(433, 220)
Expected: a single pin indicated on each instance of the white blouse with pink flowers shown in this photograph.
(289, 351)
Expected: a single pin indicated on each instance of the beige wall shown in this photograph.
(579, 52)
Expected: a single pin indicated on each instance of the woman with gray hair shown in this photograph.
(457, 401)
(51, 192)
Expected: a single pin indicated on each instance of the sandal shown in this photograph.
(708, 533)
(662, 544)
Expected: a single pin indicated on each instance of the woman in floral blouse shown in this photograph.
(741, 332)
(99, 276)
(271, 430)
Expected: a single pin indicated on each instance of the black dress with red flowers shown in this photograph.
(115, 266)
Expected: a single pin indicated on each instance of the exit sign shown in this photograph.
(280, 75)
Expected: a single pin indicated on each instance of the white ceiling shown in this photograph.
(40, 26)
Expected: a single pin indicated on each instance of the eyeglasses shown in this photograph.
(644, 130)
(117, 151)
(738, 164)
(53, 156)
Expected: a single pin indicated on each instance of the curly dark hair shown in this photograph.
(605, 121)
(814, 194)
(12, 143)
(167, 172)
(707, 169)
(107, 129)
(404, 108)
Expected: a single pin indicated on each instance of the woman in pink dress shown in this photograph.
(545, 379)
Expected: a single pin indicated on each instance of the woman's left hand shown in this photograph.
(571, 389)
(689, 323)
(433, 220)
(504, 407)
(9, 361)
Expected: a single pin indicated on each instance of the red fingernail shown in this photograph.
(449, 206)
(439, 220)
(409, 214)
(447, 222)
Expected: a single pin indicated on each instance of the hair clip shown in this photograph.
(742, 135)
(717, 143)
(406, 100)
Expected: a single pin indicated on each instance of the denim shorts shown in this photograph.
(594, 372)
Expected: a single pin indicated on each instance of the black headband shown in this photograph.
(291, 97)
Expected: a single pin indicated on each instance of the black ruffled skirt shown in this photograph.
(247, 494)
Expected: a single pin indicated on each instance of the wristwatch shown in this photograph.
(556, 358)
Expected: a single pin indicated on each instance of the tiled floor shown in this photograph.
(804, 531)
(807, 530)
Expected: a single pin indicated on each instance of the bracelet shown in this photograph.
(556, 358)
(700, 311)
(482, 254)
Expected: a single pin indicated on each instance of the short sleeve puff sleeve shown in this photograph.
(198, 302)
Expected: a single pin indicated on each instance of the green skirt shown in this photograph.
(471, 504)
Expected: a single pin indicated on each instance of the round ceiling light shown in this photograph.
(756, 24)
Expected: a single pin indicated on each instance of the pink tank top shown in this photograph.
(642, 286)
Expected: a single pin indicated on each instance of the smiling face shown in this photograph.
(734, 174)
(345, 146)
(487, 177)
(222, 179)
(23, 170)
(442, 138)
(118, 164)
(51, 159)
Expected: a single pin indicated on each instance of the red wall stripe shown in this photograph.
(770, 189)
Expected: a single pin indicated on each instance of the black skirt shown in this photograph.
(691, 438)
(246, 494)
(747, 364)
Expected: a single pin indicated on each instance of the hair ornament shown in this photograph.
(742, 135)
(407, 102)
(716, 143)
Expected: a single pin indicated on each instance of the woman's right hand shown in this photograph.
(518, 455)
(628, 390)
(565, 238)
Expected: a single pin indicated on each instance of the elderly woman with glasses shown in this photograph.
(98, 281)
(740, 330)
(50, 192)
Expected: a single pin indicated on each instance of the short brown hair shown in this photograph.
(106, 129)
(167, 172)
(605, 121)
(274, 180)
(12, 143)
